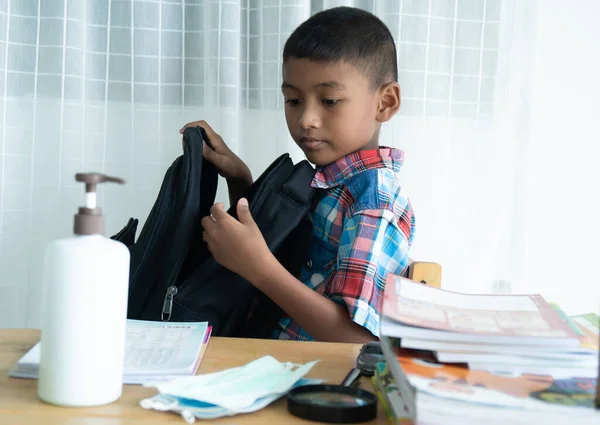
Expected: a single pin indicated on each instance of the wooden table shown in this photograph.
(19, 404)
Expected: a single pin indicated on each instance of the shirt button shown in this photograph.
(309, 264)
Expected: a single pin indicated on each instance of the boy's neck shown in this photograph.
(373, 144)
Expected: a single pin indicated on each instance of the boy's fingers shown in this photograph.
(215, 158)
(190, 124)
(215, 140)
(209, 131)
(217, 211)
(208, 153)
(243, 212)
(207, 224)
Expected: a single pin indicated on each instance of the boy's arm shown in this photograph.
(323, 318)
(372, 243)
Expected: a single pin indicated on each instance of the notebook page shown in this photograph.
(161, 347)
(151, 349)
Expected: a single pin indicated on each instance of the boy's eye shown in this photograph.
(292, 102)
(330, 102)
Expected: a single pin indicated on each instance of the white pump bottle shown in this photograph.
(85, 310)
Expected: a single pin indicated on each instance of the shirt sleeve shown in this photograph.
(373, 243)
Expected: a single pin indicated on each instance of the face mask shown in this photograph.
(238, 390)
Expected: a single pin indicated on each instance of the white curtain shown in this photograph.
(498, 122)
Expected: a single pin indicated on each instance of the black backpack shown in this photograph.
(174, 277)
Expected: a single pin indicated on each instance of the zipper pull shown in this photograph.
(168, 303)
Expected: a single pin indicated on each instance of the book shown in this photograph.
(488, 358)
(491, 357)
(382, 400)
(478, 355)
(555, 371)
(574, 353)
(390, 396)
(589, 326)
(154, 351)
(443, 394)
(582, 361)
(414, 310)
(457, 382)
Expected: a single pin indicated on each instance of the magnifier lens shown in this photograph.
(332, 403)
(333, 399)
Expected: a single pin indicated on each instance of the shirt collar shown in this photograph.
(334, 174)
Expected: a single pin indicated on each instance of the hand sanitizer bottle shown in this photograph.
(84, 316)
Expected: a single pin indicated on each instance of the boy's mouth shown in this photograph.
(311, 143)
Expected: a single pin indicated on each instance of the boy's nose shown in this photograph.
(309, 119)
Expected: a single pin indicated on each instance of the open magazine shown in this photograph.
(413, 310)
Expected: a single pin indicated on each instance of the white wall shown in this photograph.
(558, 208)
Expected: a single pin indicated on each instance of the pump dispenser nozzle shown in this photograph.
(89, 220)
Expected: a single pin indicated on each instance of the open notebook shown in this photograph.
(154, 351)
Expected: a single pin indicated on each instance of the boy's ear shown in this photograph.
(389, 101)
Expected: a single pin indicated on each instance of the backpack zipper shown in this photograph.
(168, 303)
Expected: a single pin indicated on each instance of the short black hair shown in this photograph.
(350, 34)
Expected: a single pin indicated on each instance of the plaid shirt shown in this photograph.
(362, 230)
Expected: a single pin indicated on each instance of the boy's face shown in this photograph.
(329, 109)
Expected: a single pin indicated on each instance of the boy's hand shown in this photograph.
(237, 245)
(228, 164)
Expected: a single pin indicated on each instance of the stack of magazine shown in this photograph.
(470, 358)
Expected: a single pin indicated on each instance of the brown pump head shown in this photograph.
(89, 220)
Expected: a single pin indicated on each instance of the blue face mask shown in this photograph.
(239, 390)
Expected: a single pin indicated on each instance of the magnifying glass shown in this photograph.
(343, 403)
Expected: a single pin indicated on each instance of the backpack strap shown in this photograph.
(298, 187)
(186, 195)
(127, 234)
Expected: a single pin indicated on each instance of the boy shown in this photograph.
(339, 85)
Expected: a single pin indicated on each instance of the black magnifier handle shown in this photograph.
(352, 378)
